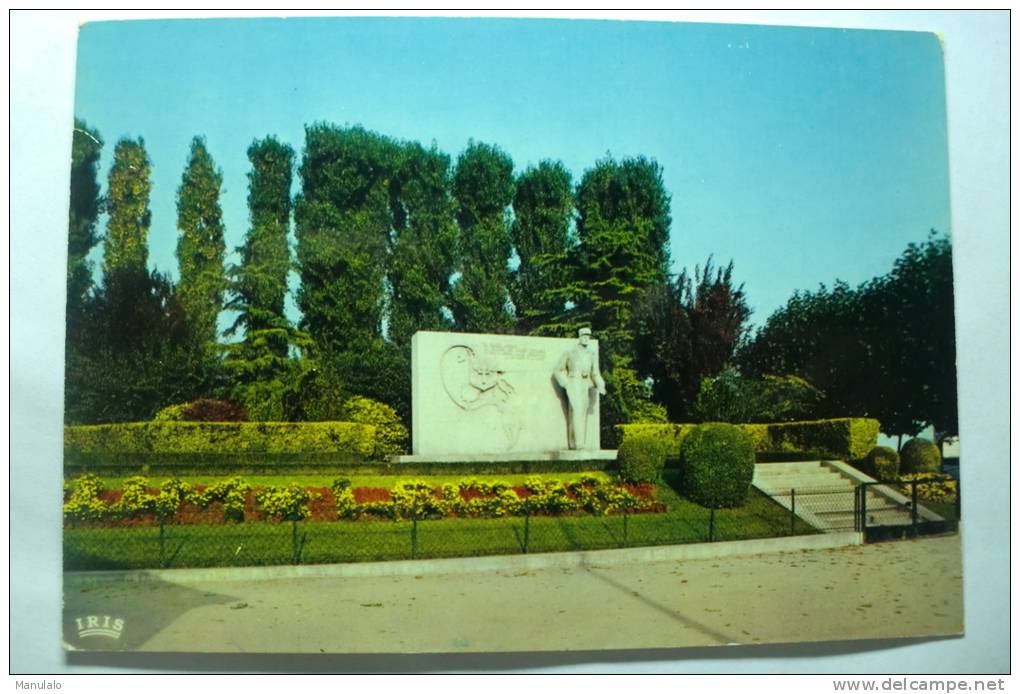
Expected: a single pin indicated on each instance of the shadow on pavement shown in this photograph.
(121, 624)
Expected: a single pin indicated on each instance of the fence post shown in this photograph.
(626, 523)
(913, 506)
(414, 530)
(162, 545)
(711, 524)
(527, 524)
(293, 542)
(793, 509)
(864, 508)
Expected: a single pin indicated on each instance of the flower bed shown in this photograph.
(87, 504)
(931, 486)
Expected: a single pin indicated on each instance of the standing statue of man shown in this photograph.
(578, 374)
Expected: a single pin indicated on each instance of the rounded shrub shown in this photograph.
(171, 413)
(882, 463)
(920, 455)
(203, 410)
(642, 458)
(717, 464)
(390, 433)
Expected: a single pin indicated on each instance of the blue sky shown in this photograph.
(803, 155)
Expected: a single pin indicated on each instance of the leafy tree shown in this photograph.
(483, 185)
(730, 397)
(86, 204)
(622, 231)
(543, 216)
(687, 331)
(259, 282)
(135, 355)
(884, 350)
(424, 243)
(382, 373)
(201, 248)
(818, 336)
(924, 274)
(261, 364)
(911, 331)
(623, 228)
(343, 222)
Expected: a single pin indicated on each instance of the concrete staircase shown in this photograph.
(823, 494)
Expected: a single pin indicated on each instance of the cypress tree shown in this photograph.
(343, 223)
(424, 244)
(484, 187)
(261, 362)
(623, 231)
(86, 146)
(135, 352)
(201, 247)
(543, 216)
(126, 249)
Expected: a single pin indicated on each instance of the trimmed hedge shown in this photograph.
(642, 458)
(847, 439)
(716, 465)
(920, 455)
(217, 445)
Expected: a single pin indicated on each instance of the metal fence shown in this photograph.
(304, 542)
(908, 507)
(826, 508)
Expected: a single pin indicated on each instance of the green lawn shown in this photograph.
(253, 544)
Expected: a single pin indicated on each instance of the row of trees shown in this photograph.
(885, 349)
(392, 237)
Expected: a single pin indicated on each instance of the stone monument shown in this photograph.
(481, 397)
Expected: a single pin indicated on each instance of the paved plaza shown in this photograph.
(886, 590)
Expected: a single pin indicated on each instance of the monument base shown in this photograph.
(566, 455)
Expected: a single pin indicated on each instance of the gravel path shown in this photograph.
(885, 590)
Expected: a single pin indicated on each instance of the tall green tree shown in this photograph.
(201, 246)
(623, 231)
(818, 336)
(623, 225)
(911, 333)
(136, 351)
(423, 246)
(126, 246)
(688, 331)
(542, 228)
(731, 397)
(343, 222)
(261, 364)
(885, 349)
(86, 203)
(483, 185)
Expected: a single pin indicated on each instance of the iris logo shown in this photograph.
(102, 625)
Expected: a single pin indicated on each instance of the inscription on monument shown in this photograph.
(514, 352)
